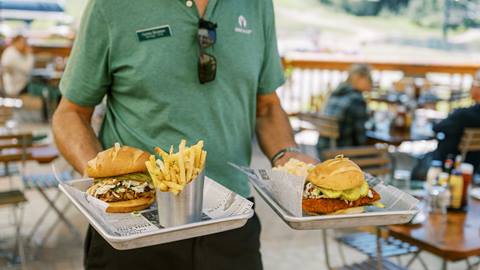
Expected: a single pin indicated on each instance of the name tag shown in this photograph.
(154, 33)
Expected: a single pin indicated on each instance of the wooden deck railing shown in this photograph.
(410, 69)
(310, 80)
(54, 51)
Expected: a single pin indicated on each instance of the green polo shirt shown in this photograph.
(154, 97)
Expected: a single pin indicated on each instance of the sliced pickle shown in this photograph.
(355, 193)
(332, 194)
(351, 194)
(364, 189)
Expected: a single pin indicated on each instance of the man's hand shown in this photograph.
(299, 156)
(274, 131)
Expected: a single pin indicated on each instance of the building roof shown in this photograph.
(29, 5)
(29, 10)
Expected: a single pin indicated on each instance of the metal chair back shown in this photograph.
(327, 126)
(470, 141)
(2, 90)
(15, 148)
(371, 159)
(6, 114)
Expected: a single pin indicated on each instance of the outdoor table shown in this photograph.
(43, 153)
(452, 237)
(423, 101)
(39, 153)
(393, 138)
(45, 85)
(51, 77)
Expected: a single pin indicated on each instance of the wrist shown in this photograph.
(283, 153)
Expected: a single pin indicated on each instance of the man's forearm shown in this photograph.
(75, 138)
(274, 131)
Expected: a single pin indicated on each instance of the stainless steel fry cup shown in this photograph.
(184, 208)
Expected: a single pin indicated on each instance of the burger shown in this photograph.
(337, 186)
(121, 179)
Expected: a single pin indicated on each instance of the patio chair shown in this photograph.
(2, 89)
(326, 126)
(17, 148)
(14, 199)
(376, 161)
(41, 183)
(14, 148)
(470, 142)
(6, 113)
(373, 160)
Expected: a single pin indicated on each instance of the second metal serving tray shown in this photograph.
(374, 218)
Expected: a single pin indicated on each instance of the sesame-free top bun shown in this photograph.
(116, 161)
(339, 173)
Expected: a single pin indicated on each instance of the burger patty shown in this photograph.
(327, 206)
(112, 196)
(115, 190)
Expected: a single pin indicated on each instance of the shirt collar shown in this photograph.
(208, 12)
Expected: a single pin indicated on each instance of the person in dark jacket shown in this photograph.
(450, 130)
(348, 106)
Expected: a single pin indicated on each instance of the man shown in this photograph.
(450, 130)
(17, 65)
(167, 77)
(348, 106)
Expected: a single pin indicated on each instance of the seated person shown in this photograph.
(16, 66)
(450, 130)
(348, 106)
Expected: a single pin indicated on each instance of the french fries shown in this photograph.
(175, 170)
(295, 167)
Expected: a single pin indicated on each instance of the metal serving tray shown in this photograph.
(374, 218)
(160, 236)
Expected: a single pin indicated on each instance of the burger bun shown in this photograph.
(353, 210)
(117, 160)
(130, 205)
(339, 173)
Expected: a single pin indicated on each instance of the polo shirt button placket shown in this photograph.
(189, 3)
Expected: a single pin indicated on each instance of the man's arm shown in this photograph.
(74, 135)
(274, 131)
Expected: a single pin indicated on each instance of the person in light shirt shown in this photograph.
(16, 66)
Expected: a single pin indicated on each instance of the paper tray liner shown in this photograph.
(129, 231)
